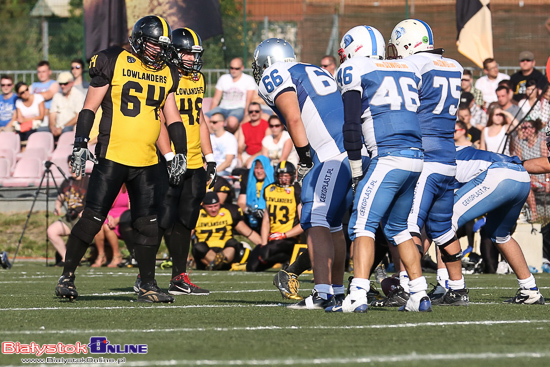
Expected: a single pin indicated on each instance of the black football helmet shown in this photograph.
(185, 40)
(150, 41)
(285, 167)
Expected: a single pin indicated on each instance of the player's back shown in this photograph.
(471, 162)
(389, 94)
(439, 98)
(320, 103)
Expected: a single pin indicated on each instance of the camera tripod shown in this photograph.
(47, 175)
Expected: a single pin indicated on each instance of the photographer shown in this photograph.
(72, 193)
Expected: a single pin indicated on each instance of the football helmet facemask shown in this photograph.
(268, 52)
(150, 41)
(362, 40)
(409, 37)
(285, 167)
(186, 41)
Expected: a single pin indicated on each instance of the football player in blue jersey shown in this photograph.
(496, 185)
(380, 102)
(439, 95)
(306, 99)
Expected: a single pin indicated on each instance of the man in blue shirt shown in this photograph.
(47, 87)
(7, 103)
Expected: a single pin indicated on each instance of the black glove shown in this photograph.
(78, 160)
(258, 213)
(177, 168)
(211, 173)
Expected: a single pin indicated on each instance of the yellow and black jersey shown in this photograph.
(215, 231)
(130, 123)
(189, 97)
(282, 206)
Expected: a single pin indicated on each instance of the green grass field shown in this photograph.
(244, 322)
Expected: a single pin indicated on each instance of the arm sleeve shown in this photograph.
(352, 124)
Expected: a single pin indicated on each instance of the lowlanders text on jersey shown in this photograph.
(144, 76)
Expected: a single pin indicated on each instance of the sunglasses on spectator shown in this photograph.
(7, 85)
(232, 68)
(63, 84)
(23, 92)
(253, 111)
(215, 121)
(466, 80)
(457, 130)
(75, 67)
(275, 125)
(526, 126)
(325, 66)
(525, 60)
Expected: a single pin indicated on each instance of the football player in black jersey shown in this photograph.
(133, 89)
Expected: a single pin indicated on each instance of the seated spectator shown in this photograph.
(478, 115)
(531, 143)
(250, 135)
(7, 104)
(65, 105)
(531, 98)
(109, 231)
(234, 92)
(493, 138)
(504, 97)
(47, 88)
(488, 84)
(467, 85)
(72, 195)
(526, 73)
(328, 62)
(542, 108)
(251, 199)
(224, 146)
(77, 69)
(216, 248)
(281, 228)
(278, 145)
(224, 190)
(30, 111)
(465, 116)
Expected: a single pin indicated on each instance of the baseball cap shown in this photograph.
(526, 55)
(65, 77)
(466, 97)
(210, 198)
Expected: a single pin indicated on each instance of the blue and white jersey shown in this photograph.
(471, 162)
(389, 98)
(439, 95)
(320, 103)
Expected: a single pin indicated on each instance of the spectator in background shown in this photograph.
(234, 92)
(45, 87)
(77, 69)
(278, 145)
(224, 146)
(467, 85)
(224, 190)
(542, 108)
(30, 110)
(250, 135)
(504, 97)
(531, 98)
(464, 116)
(328, 62)
(478, 115)
(493, 137)
(526, 73)
(65, 105)
(7, 103)
(488, 84)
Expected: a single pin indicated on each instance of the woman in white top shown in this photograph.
(278, 146)
(493, 137)
(30, 111)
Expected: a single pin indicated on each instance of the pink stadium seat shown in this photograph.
(62, 151)
(62, 163)
(28, 172)
(39, 153)
(8, 154)
(4, 169)
(41, 139)
(10, 141)
(206, 103)
(66, 139)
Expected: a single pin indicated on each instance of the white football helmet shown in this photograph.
(268, 52)
(362, 40)
(409, 37)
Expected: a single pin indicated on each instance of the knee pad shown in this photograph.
(446, 256)
(234, 243)
(88, 226)
(146, 231)
(199, 250)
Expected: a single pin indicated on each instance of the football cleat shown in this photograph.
(418, 302)
(151, 293)
(4, 261)
(137, 284)
(380, 273)
(373, 294)
(288, 284)
(527, 297)
(313, 302)
(65, 288)
(397, 297)
(218, 262)
(437, 294)
(456, 298)
(351, 305)
(180, 284)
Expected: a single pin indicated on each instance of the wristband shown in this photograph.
(169, 156)
(209, 157)
(304, 153)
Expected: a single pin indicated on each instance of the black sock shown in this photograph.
(146, 258)
(301, 264)
(76, 249)
(178, 241)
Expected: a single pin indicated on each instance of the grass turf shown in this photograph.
(243, 322)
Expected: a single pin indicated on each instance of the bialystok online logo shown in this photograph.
(97, 345)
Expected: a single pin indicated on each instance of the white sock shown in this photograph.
(456, 284)
(325, 290)
(338, 289)
(418, 285)
(527, 283)
(442, 277)
(404, 280)
(357, 283)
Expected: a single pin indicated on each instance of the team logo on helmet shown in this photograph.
(347, 40)
(425, 39)
(399, 32)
